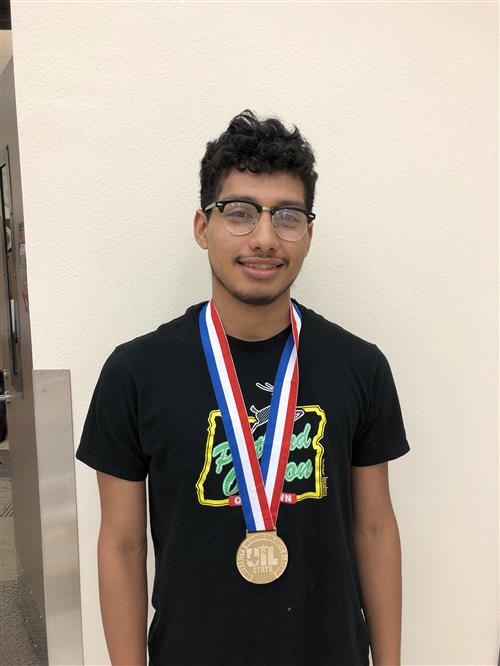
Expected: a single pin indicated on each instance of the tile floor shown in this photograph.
(22, 639)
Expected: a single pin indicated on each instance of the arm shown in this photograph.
(121, 555)
(378, 550)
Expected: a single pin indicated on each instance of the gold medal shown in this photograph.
(262, 557)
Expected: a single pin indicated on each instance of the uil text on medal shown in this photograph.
(262, 557)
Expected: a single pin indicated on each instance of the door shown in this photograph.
(11, 347)
(40, 439)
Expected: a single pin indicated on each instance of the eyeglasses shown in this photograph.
(240, 217)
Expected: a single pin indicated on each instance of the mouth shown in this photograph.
(261, 268)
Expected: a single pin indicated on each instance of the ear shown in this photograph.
(200, 223)
(309, 234)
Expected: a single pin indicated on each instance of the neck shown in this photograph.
(252, 322)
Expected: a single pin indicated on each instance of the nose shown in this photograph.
(262, 236)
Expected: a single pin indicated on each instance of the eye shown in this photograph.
(290, 217)
(240, 211)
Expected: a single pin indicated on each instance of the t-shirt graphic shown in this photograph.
(304, 474)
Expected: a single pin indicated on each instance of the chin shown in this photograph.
(259, 295)
(255, 299)
(256, 295)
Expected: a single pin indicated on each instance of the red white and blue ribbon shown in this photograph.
(260, 485)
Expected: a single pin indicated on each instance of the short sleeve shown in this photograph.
(110, 440)
(381, 436)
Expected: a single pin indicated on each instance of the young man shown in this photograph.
(265, 430)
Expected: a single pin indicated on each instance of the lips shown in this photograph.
(261, 263)
(260, 268)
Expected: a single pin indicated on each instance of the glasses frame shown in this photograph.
(220, 205)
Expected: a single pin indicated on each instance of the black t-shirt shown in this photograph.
(154, 412)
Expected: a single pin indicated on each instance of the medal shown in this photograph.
(262, 556)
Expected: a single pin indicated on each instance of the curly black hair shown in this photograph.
(261, 146)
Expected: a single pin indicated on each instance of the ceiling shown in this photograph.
(5, 34)
(5, 22)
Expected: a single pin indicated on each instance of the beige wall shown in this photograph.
(399, 100)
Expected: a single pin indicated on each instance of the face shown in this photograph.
(237, 261)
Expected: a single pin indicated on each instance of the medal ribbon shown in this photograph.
(260, 485)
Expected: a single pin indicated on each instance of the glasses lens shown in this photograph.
(290, 224)
(239, 217)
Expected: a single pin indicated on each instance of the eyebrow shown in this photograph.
(245, 197)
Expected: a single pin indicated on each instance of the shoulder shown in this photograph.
(329, 340)
(177, 336)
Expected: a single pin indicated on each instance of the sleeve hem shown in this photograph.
(382, 456)
(107, 468)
